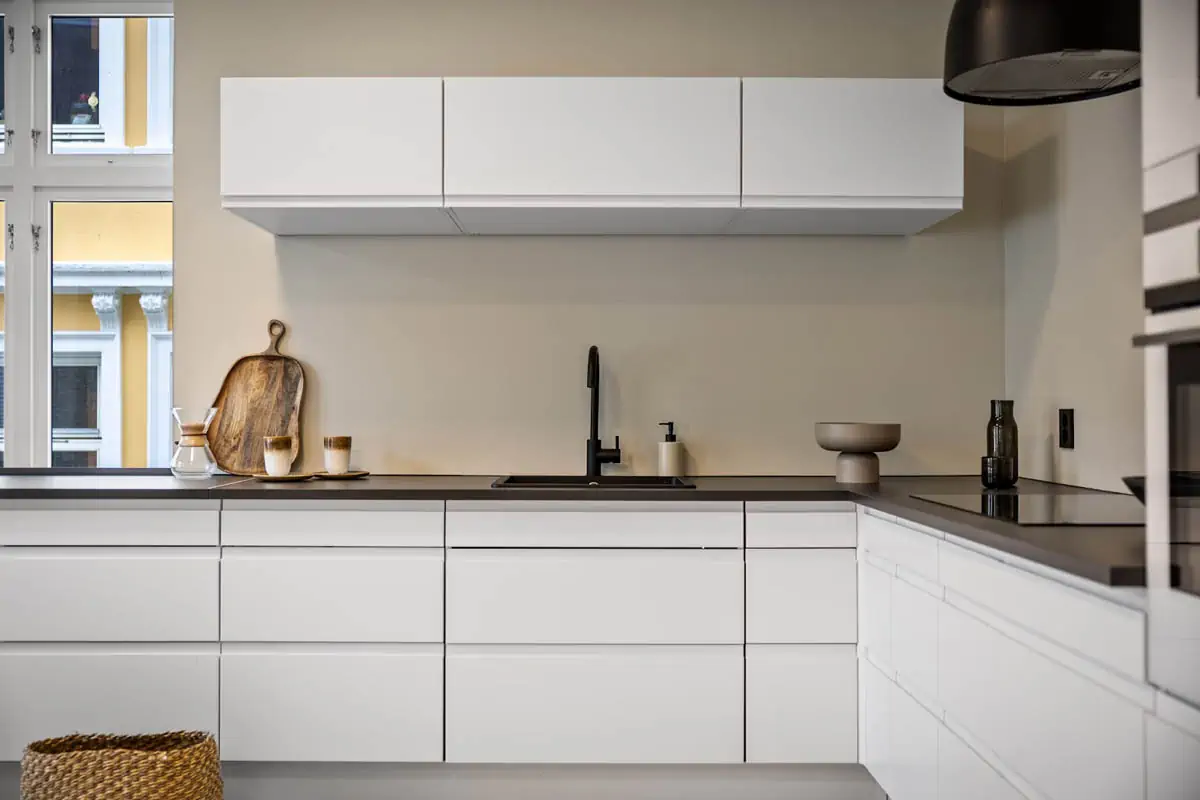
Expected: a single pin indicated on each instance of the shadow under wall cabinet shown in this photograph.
(556, 155)
(108, 618)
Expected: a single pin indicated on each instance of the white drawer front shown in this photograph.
(515, 523)
(913, 749)
(106, 594)
(326, 704)
(57, 692)
(357, 594)
(801, 704)
(907, 548)
(875, 612)
(1172, 762)
(415, 524)
(914, 648)
(1103, 631)
(800, 525)
(98, 526)
(801, 596)
(594, 597)
(1063, 734)
(673, 705)
(963, 774)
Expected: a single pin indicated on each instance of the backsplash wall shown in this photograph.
(467, 355)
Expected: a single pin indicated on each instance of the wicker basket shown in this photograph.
(181, 765)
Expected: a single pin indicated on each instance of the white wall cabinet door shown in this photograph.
(592, 704)
(1170, 93)
(322, 594)
(801, 596)
(331, 703)
(848, 156)
(801, 704)
(54, 690)
(370, 161)
(592, 155)
(963, 774)
(107, 594)
(594, 597)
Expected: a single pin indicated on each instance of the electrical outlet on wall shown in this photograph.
(1066, 428)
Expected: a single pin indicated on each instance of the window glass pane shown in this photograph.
(111, 316)
(111, 84)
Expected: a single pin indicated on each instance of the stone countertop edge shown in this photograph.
(891, 496)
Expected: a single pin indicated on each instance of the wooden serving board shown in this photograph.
(260, 396)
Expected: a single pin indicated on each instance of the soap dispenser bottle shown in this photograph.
(670, 453)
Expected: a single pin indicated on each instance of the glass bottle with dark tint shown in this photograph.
(1002, 432)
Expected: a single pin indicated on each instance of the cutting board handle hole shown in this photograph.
(276, 329)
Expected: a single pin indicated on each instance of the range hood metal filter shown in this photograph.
(1039, 52)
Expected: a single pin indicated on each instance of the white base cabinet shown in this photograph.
(57, 689)
(331, 703)
(674, 704)
(801, 704)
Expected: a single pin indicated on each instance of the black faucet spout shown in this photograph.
(597, 454)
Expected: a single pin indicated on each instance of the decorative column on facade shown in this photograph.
(154, 306)
(107, 306)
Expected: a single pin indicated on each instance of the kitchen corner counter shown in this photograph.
(1111, 555)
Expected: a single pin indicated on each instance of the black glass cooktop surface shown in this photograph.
(1047, 509)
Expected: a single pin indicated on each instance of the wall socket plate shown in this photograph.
(1066, 428)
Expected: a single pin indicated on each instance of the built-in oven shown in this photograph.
(1171, 492)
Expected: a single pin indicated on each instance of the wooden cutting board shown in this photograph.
(260, 397)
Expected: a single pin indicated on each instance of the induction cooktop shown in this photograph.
(1047, 509)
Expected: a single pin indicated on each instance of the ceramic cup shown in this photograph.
(277, 455)
(337, 455)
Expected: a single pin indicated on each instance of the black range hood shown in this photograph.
(1040, 52)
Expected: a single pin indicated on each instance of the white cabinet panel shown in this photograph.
(876, 716)
(102, 524)
(875, 611)
(908, 548)
(844, 155)
(105, 594)
(517, 523)
(1170, 102)
(801, 704)
(53, 691)
(1108, 633)
(1172, 762)
(915, 640)
(362, 148)
(800, 525)
(357, 594)
(963, 775)
(798, 596)
(410, 524)
(298, 703)
(1063, 734)
(518, 145)
(632, 704)
(914, 749)
(594, 596)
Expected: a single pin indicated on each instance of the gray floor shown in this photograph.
(467, 782)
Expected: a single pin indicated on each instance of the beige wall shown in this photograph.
(467, 355)
(1073, 287)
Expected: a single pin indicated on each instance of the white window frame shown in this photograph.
(30, 179)
(160, 429)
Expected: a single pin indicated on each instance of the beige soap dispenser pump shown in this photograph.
(670, 454)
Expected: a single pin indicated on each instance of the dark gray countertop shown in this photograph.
(1106, 554)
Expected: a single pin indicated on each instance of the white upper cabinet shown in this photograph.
(334, 155)
(592, 155)
(848, 156)
(1170, 99)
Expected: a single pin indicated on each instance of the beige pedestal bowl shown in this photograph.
(856, 444)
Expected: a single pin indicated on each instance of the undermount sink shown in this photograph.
(585, 482)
